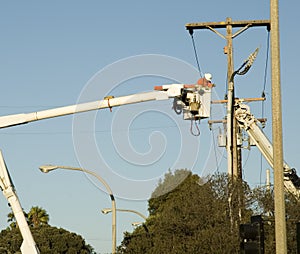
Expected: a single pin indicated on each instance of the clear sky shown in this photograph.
(57, 53)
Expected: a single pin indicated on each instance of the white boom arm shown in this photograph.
(195, 104)
(11, 120)
(249, 123)
(28, 246)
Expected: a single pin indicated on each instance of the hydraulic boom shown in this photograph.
(249, 123)
(193, 101)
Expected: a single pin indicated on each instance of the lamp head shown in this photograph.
(47, 168)
(136, 224)
(106, 210)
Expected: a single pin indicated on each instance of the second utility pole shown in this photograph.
(279, 204)
(233, 149)
(234, 153)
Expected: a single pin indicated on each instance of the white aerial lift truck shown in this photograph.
(249, 123)
(193, 101)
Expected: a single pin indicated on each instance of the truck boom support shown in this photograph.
(249, 123)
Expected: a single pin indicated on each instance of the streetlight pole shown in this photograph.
(48, 168)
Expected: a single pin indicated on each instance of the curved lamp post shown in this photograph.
(109, 210)
(48, 168)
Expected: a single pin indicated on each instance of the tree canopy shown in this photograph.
(188, 214)
(48, 239)
(37, 216)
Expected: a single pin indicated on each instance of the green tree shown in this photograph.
(170, 182)
(263, 203)
(50, 240)
(193, 217)
(37, 216)
(11, 219)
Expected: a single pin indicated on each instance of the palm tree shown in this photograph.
(11, 218)
(37, 216)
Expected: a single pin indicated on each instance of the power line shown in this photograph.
(263, 95)
(96, 131)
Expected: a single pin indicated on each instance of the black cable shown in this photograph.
(195, 52)
(266, 65)
(226, 88)
(263, 95)
(215, 151)
(197, 128)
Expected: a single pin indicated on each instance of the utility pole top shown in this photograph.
(224, 24)
(233, 132)
(233, 150)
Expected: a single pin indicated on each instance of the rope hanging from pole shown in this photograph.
(191, 31)
(266, 66)
(263, 95)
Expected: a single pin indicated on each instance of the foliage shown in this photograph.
(264, 204)
(171, 181)
(191, 218)
(188, 215)
(12, 220)
(37, 216)
(50, 240)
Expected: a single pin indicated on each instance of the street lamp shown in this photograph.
(109, 210)
(135, 224)
(48, 168)
(138, 223)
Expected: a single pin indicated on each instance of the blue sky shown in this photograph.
(52, 52)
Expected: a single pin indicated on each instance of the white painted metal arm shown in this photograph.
(249, 123)
(193, 101)
(28, 246)
(11, 120)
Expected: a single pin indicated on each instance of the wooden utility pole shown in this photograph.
(280, 223)
(233, 150)
(234, 154)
